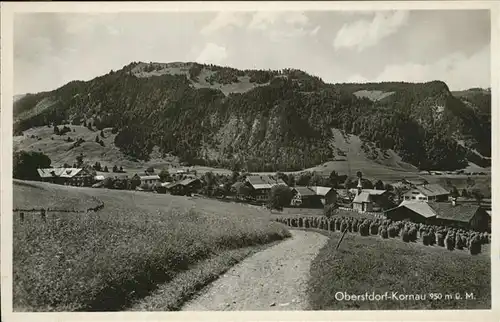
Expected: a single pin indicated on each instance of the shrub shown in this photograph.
(280, 197)
(364, 229)
(343, 225)
(355, 226)
(405, 236)
(459, 242)
(330, 210)
(475, 246)
(413, 234)
(440, 238)
(425, 238)
(432, 238)
(450, 242)
(393, 231)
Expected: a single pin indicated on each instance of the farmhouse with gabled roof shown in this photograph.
(261, 186)
(427, 192)
(66, 176)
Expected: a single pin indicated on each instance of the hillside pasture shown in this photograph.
(56, 147)
(106, 260)
(371, 264)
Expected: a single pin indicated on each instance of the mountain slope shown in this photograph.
(265, 120)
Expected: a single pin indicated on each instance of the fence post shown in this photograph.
(21, 215)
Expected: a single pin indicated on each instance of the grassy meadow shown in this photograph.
(371, 264)
(107, 260)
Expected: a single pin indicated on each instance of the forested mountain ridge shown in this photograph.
(264, 120)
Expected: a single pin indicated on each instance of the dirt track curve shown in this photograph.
(274, 279)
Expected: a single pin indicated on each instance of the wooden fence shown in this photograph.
(42, 211)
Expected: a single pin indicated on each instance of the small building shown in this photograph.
(468, 216)
(451, 214)
(146, 178)
(412, 210)
(328, 195)
(427, 192)
(261, 186)
(305, 197)
(369, 200)
(184, 187)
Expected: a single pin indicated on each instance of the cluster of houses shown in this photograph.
(421, 201)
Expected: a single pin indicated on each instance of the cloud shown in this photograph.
(364, 33)
(314, 32)
(263, 20)
(224, 19)
(212, 54)
(457, 70)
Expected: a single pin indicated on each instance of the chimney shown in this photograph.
(453, 201)
(360, 187)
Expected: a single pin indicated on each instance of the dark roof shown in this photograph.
(187, 182)
(304, 191)
(263, 182)
(432, 190)
(173, 184)
(459, 212)
(419, 207)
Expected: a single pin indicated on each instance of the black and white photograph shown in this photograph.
(249, 160)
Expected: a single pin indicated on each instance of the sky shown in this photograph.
(52, 49)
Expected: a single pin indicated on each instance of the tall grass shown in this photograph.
(105, 260)
(387, 265)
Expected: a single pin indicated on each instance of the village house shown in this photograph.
(451, 214)
(462, 215)
(66, 176)
(407, 184)
(369, 200)
(305, 197)
(146, 178)
(261, 186)
(328, 195)
(427, 192)
(412, 210)
(184, 187)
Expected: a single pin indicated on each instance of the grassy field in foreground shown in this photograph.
(107, 260)
(370, 264)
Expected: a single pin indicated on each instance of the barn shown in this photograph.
(427, 192)
(66, 176)
(328, 195)
(261, 186)
(414, 211)
(305, 197)
(466, 215)
(184, 187)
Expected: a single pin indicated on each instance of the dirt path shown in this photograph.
(274, 279)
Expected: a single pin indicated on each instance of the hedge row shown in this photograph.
(429, 235)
